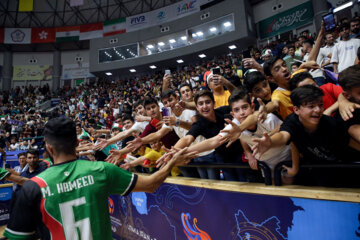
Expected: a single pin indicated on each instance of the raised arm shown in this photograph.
(315, 50)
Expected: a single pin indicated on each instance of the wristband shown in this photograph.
(177, 122)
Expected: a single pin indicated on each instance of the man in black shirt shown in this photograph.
(234, 79)
(210, 122)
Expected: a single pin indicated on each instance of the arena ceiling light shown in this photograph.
(346, 5)
(152, 66)
(150, 46)
(213, 29)
(132, 70)
(199, 33)
(108, 73)
(172, 41)
(183, 38)
(232, 47)
(227, 24)
(161, 43)
(202, 55)
(179, 61)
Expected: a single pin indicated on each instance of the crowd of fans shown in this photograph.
(290, 103)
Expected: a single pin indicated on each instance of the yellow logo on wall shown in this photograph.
(32, 72)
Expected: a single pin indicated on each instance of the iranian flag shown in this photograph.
(90, 31)
(115, 26)
(67, 34)
(42, 35)
(2, 33)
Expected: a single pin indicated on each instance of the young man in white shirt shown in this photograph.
(344, 52)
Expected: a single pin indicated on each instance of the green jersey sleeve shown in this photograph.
(119, 181)
(3, 173)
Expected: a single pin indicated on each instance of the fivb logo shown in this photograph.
(138, 20)
(188, 6)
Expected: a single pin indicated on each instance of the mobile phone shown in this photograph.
(166, 111)
(215, 70)
(167, 71)
(329, 21)
(154, 122)
(246, 54)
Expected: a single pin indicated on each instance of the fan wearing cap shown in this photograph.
(70, 199)
(266, 54)
(216, 83)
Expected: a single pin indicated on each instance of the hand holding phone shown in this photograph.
(215, 70)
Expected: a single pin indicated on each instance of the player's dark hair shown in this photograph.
(306, 94)
(60, 133)
(297, 78)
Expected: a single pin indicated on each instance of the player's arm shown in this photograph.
(152, 182)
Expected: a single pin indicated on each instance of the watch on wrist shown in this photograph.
(177, 122)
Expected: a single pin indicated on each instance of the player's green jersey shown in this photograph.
(71, 201)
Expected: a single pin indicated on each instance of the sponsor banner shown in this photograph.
(191, 213)
(5, 198)
(73, 71)
(32, 72)
(286, 21)
(42, 35)
(138, 22)
(162, 15)
(17, 35)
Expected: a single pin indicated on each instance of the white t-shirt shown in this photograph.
(323, 55)
(314, 72)
(344, 53)
(274, 155)
(139, 126)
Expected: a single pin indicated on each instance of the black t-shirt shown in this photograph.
(234, 79)
(325, 145)
(210, 129)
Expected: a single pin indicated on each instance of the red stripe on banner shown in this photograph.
(115, 32)
(2, 34)
(91, 27)
(67, 29)
(55, 228)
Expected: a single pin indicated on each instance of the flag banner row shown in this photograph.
(102, 29)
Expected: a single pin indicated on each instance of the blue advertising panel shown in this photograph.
(183, 212)
(5, 198)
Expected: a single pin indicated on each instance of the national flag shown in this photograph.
(67, 34)
(90, 31)
(26, 5)
(74, 3)
(2, 31)
(42, 35)
(115, 26)
(17, 35)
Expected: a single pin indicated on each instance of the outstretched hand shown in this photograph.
(262, 111)
(135, 144)
(232, 134)
(114, 157)
(182, 157)
(262, 145)
(102, 143)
